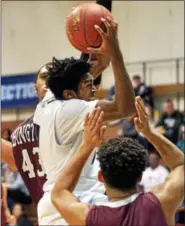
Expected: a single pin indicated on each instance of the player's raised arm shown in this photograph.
(72, 210)
(123, 105)
(171, 192)
(98, 62)
(7, 154)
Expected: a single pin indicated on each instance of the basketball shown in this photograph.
(80, 26)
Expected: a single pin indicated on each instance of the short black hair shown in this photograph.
(155, 153)
(66, 74)
(136, 77)
(168, 101)
(122, 162)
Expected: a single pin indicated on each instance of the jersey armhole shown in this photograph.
(90, 219)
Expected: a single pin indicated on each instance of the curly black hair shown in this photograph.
(66, 74)
(122, 162)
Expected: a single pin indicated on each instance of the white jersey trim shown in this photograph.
(120, 203)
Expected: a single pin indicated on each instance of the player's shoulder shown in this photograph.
(75, 106)
(147, 170)
(74, 103)
(26, 121)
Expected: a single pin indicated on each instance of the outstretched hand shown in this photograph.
(94, 130)
(141, 120)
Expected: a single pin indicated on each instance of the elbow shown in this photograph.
(179, 165)
(128, 112)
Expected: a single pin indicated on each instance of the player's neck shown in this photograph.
(116, 195)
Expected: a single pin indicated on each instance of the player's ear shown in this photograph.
(69, 94)
(100, 177)
(35, 88)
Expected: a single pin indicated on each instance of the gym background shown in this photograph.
(151, 35)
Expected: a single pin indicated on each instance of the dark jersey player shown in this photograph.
(22, 154)
(122, 161)
(26, 154)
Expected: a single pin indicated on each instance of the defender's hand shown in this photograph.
(93, 128)
(141, 120)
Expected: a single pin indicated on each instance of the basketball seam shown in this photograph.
(85, 29)
(98, 35)
(76, 41)
(83, 47)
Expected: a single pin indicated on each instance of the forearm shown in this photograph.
(7, 154)
(172, 156)
(98, 64)
(124, 93)
(96, 71)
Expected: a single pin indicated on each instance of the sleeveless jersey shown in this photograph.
(142, 209)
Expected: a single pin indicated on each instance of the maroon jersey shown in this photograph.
(3, 218)
(25, 142)
(139, 210)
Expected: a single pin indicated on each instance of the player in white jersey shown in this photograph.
(61, 114)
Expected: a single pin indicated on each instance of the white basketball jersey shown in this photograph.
(61, 129)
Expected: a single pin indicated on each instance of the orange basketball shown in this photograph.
(80, 26)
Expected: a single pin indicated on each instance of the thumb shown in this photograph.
(93, 50)
(136, 122)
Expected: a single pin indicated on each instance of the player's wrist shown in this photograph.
(86, 146)
(116, 56)
(148, 133)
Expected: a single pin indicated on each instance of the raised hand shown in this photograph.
(141, 120)
(93, 128)
(110, 44)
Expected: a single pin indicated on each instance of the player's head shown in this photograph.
(169, 107)
(154, 160)
(122, 162)
(70, 78)
(136, 80)
(40, 81)
(17, 210)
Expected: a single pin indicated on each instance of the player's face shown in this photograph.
(169, 108)
(136, 82)
(154, 160)
(17, 210)
(40, 85)
(86, 89)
